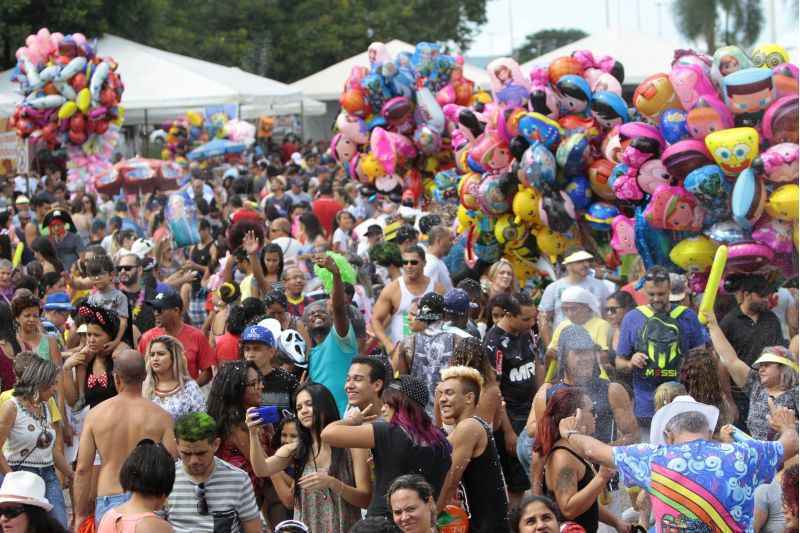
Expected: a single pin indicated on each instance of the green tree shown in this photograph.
(544, 41)
(136, 19)
(720, 22)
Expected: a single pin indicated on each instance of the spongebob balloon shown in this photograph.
(733, 149)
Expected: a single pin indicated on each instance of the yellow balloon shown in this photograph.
(694, 254)
(466, 218)
(526, 206)
(769, 55)
(120, 116)
(733, 149)
(67, 110)
(551, 243)
(508, 232)
(84, 99)
(710, 294)
(783, 202)
(195, 118)
(371, 167)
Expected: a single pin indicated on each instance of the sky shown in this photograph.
(649, 16)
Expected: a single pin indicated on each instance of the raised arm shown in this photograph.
(351, 431)
(338, 302)
(738, 369)
(785, 420)
(264, 466)
(585, 446)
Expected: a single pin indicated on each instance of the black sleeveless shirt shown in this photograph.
(486, 489)
(590, 517)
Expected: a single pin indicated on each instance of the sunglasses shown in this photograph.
(125, 268)
(202, 504)
(413, 262)
(612, 309)
(12, 512)
(658, 276)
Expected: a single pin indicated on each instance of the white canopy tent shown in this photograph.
(327, 85)
(642, 54)
(161, 85)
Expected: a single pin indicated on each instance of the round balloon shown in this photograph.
(579, 191)
(783, 202)
(777, 234)
(694, 253)
(748, 199)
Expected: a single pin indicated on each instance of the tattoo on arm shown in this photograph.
(566, 480)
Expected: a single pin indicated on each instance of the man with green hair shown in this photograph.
(209, 494)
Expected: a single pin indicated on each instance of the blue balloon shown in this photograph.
(653, 244)
(579, 191)
(672, 125)
(712, 190)
(600, 214)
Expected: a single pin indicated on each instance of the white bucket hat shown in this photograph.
(680, 405)
(25, 488)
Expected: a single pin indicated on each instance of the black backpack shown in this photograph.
(659, 340)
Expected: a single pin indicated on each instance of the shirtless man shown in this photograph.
(396, 298)
(113, 429)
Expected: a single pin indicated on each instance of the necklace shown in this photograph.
(137, 307)
(295, 301)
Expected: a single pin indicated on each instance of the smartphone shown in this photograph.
(269, 414)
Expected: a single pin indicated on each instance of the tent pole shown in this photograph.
(302, 119)
(146, 151)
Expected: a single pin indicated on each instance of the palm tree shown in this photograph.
(736, 22)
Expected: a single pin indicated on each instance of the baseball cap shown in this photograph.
(412, 387)
(405, 233)
(166, 299)
(258, 334)
(141, 247)
(58, 301)
(22, 200)
(575, 257)
(456, 301)
(373, 229)
(430, 307)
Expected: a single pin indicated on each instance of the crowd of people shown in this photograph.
(323, 360)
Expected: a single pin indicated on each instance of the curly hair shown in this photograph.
(23, 300)
(238, 230)
(386, 254)
(226, 398)
(699, 373)
(469, 352)
(194, 427)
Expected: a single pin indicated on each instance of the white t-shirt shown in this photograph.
(785, 299)
(437, 271)
(551, 298)
(291, 247)
(344, 239)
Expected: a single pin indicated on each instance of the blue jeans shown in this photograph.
(103, 504)
(52, 491)
(525, 450)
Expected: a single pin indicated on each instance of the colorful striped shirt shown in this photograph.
(700, 485)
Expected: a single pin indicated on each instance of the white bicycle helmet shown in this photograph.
(293, 346)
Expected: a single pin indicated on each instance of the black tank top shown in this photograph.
(591, 516)
(202, 254)
(486, 489)
(604, 426)
(100, 387)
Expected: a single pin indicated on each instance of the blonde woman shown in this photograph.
(168, 382)
(500, 279)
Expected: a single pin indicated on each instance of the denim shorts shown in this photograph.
(105, 503)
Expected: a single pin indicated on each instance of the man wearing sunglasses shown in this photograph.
(396, 298)
(129, 273)
(750, 327)
(209, 494)
(652, 340)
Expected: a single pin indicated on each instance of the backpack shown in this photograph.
(659, 340)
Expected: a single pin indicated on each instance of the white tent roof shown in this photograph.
(642, 54)
(165, 84)
(327, 83)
